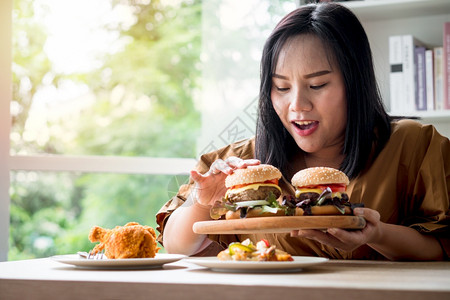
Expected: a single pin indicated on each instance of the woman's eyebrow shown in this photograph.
(280, 76)
(315, 74)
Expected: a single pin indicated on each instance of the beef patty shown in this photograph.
(251, 194)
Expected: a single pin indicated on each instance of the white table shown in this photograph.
(335, 279)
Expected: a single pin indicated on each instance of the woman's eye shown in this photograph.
(280, 89)
(317, 87)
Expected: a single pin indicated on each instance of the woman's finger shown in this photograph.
(220, 166)
(326, 238)
(347, 237)
(371, 216)
(238, 163)
(251, 162)
(230, 164)
(196, 176)
(234, 162)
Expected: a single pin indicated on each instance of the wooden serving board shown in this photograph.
(278, 224)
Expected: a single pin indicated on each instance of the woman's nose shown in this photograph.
(300, 102)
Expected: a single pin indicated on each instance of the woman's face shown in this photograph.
(308, 95)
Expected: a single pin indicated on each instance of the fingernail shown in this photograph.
(358, 211)
(253, 161)
(331, 230)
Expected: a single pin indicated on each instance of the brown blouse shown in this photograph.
(408, 184)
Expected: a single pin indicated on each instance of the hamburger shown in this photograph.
(320, 191)
(251, 192)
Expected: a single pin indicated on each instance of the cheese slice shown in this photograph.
(254, 186)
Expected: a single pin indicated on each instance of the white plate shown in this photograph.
(126, 263)
(215, 264)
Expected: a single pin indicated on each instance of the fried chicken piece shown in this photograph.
(129, 241)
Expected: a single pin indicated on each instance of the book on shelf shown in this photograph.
(438, 78)
(396, 73)
(429, 78)
(420, 92)
(409, 43)
(403, 73)
(446, 65)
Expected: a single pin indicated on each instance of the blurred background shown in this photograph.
(123, 78)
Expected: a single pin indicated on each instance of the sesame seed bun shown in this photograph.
(252, 174)
(319, 176)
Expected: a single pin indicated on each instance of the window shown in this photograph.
(111, 105)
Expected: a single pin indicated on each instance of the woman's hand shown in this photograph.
(210, 187)
(345, 239)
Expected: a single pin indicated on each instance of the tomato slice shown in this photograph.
(272, 181)
(266, 242)
(334, 187)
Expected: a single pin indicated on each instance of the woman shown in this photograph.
(320, 106)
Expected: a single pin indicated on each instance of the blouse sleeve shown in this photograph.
(178, 200)
(430, 181)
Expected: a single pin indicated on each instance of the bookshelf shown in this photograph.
(422, 18)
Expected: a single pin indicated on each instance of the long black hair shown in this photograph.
(347, 44)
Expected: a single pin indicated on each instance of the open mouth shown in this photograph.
(305, 125)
